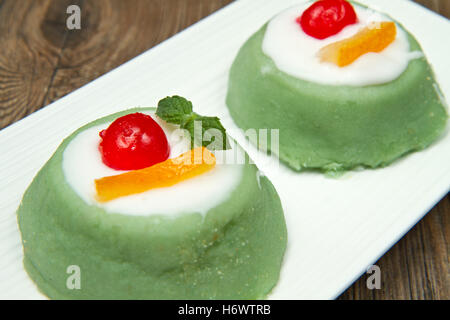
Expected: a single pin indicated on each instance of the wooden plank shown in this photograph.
(440, 6)
(44, 61)
(26, 59)
(115, 31)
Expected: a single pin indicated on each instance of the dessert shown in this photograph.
(346, 86)
(145, 212)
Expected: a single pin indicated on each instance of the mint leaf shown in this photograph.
(207, 132)
(174, 109)
(214, 134)
(204, 131)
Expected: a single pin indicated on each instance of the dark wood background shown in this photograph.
(41, 61)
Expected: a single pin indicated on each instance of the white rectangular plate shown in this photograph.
(337, 227)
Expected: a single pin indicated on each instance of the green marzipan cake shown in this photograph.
(335, 128)
(234, 252)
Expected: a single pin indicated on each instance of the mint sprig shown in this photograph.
(178, 110)
(174, 109)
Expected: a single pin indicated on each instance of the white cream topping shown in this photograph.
(295, 53)
(82, 164)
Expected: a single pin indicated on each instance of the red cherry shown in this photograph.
(325, 18)
(132, 142)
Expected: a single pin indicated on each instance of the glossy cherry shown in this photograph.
(325, 18)
(132, 142)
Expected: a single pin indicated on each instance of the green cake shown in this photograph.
(382, 106)
(231, 248)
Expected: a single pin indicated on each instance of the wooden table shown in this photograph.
(41, 61)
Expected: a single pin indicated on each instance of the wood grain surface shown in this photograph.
(41, 61)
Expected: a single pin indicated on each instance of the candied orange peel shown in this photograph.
(373, 38)
(164, 174)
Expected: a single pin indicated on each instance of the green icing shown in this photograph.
(335, 128)
(233, 252)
